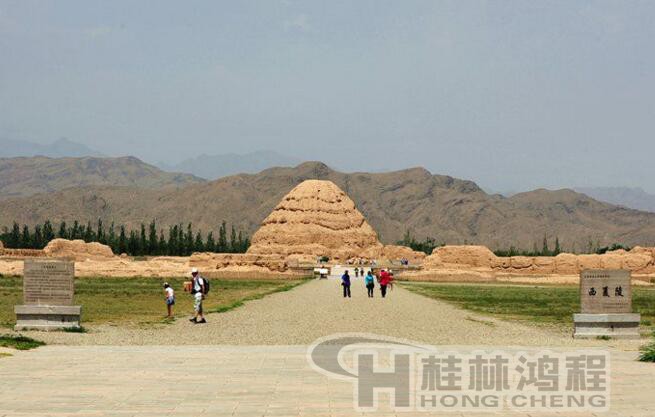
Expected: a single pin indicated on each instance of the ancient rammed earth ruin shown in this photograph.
(315, 219)
(318, 219)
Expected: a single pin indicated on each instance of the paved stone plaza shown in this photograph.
(239, 366)
(219, 381)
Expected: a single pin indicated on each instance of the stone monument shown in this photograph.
(48, 288)
(606, 306)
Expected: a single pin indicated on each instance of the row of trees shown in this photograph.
(429, 244)
(147, 240)
(592, 247)
(544, 251)
(426, 245)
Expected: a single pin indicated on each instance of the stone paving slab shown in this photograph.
(139, 381)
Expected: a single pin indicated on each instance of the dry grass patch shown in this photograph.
(140, 301)
(539, 304)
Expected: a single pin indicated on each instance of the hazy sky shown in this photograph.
(512, 94)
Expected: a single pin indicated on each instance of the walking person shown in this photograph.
(385, 279)
(170, 299)
(198, 289)
(370, 283)
(356, 272)
(345, 282)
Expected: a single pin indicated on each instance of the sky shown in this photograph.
(514, 95)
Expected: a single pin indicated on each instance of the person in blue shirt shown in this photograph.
(345, 283)
(370, 283)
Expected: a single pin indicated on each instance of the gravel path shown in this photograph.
(317, 309)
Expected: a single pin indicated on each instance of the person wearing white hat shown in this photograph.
(198, 291)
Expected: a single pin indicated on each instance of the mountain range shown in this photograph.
(451, 210)
(21, 177)
(634, 197)
(61, 148)
(204, 166)
(217, 166)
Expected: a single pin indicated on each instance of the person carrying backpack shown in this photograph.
(199, 288)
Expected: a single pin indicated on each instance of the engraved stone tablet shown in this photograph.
(48, 283)
(606, 306)
(605, 291)
(48, 288)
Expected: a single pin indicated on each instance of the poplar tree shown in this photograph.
(143, 241)
(222, 239)
(544, 250)
(122, 241)
(233, 240)
(210, 246)
(111, 239)
(48, 232)
(63, 231)
(25, 241)
(198, 246)
(37, 239)
(188, 241)
(14, 236)
(162, 247)
(100, 233)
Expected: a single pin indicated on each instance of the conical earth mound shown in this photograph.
(315, 219)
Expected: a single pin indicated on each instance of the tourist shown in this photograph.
(345, 282)
(170, 299)
(356, 272)
(385, 279)
(198, 291)
(370, 283)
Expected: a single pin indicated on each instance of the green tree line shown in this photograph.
(547, 250)
(429, 244)
(426, 245)
(145, 241)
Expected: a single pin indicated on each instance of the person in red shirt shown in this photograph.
(385, 279)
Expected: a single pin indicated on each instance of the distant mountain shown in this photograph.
(635, 198)
(448, 209)
(23, 176)
(217, 166)
(61, 148)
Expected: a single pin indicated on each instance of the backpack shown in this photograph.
(206, 285)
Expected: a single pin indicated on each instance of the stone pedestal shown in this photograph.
(48, 289)
(29, 317)
(606, 306)
(616, 325)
